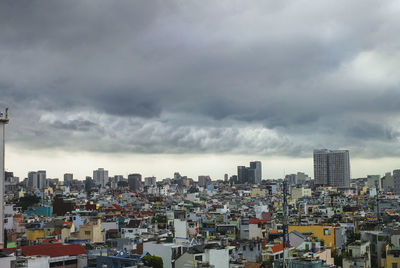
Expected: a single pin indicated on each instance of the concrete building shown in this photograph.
(300, 192)
(42, 179)
(332, 168)
(387, 182)
(37, 179)
(396, 181)
(167, 251)
(359, 255)
(256, 166)
(135, 182)
(241, 174)
(374, 181)
(150, 181)
(100, 177)
(68, 177)
(322, 232)
(199, 256)
(204, 180)
(250, 175)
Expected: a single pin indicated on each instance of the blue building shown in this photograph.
(45, 211)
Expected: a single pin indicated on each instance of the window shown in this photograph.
(198, 258)
(327, 232)
(87, 232)
(394, 265)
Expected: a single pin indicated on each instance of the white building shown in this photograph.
(100, 177)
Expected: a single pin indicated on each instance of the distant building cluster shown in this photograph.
(238, 221)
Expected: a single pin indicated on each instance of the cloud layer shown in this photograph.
(266, 77)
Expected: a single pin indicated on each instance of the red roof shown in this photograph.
(52, 250)
(277, 248)
(256, 221)
(117, 206)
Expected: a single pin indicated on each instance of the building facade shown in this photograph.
(100, 177)
(332, 168)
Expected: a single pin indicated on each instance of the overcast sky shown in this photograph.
(199, 86)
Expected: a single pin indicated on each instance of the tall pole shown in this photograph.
(286, 241)
(3, 122)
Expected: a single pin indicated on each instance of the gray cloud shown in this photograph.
(157, 76)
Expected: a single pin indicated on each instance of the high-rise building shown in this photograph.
(396, 181)
(332, 168)
(256, 165)
(100, 177)
(241, 174)
(32, 180)
(89, 184)
(387, 182)
(250, 175)
(37, 179)
(291, 179)
(150, 181)
(68, 178)
(203, 181)
(135, 182)
(42, 179)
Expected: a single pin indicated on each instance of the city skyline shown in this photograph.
(192, 81)
(192, 170)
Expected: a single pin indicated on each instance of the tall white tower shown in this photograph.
(3, 122)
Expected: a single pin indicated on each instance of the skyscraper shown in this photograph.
(242, 174)
(135, 182)
(100, 177)
(332, 168)
(396, 181)
(250, 175)
(37, 179)
(68, 177)
(256, 165)
(42, 179)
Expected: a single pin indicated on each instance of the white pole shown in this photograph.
(3, 122)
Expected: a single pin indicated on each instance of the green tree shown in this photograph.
(338, 259)
(153, 261)
(351, 237)
(27, 201)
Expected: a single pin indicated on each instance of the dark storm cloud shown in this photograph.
(182, 76)
(74, 125)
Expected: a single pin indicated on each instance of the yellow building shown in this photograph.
(91, 231)
(325, 233)
(34, 234)
(392, 258)
(257, 192)
(298, 193)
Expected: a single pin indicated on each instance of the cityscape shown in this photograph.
(242, 220)
(200, 134)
